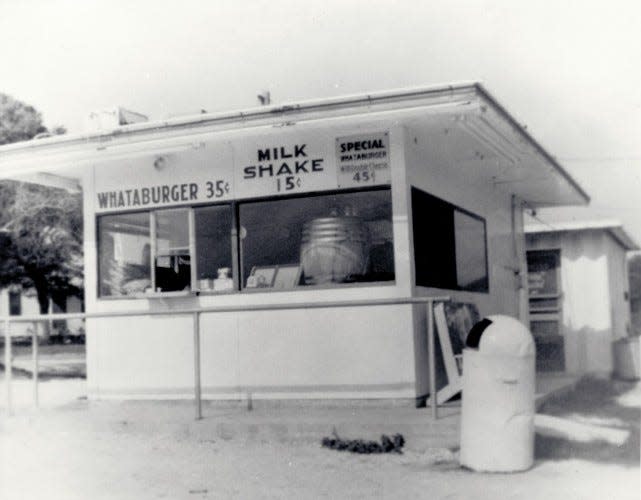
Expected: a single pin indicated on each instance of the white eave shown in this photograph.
(611, 226)
(476, 137)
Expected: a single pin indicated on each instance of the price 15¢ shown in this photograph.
(288, 183)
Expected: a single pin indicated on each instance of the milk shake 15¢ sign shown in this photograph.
(363, 160)
(282, 165)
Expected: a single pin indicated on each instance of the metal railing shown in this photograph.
(195, 313)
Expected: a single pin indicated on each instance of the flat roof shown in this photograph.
(514, 160)
(613, 226)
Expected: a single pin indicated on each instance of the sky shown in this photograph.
(568, 70)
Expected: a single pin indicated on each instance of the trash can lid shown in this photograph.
(506, 336)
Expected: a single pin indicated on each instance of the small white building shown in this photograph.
(579, 293)
(16, 301)
(387, 195)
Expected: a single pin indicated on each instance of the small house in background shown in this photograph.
(16, 301)
(579, 299)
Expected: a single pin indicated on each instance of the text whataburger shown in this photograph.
(248, 168)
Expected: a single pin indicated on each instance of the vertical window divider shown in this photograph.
(193, 257)
(153, 248)
(236, 248)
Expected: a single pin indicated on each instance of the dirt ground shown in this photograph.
(109, 450)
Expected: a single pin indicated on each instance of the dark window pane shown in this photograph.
(173, 263)
(213, 248)
(542, 269)
(15, 303)
(434, 246)
(449, 245)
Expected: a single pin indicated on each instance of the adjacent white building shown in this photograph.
(15, 301)
(579, 293)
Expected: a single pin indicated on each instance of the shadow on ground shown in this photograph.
(48, 373)
(55, 361)
(599, 401)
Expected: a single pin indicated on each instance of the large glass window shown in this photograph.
(186, 248)
(449, 245)
(124, 250)
(316, 240)
(278, 244)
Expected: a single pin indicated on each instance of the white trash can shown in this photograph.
(497, 415)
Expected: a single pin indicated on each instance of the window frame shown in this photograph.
(314, 194)
(193, 255)
(236, 247)
(191, 245)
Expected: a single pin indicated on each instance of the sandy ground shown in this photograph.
(112, 450)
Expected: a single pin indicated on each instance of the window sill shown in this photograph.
(217, 292)
(328, 286)
(151, 295)
(163, 295)
(209, 293)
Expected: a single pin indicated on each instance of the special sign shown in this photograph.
(246, 168)
(363, 160)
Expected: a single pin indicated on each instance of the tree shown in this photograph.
(40, 226)
(18, 121)
(42, 247)
(21, 122)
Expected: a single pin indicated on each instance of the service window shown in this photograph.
(170, 250)
(450, 245)
(327, 239)
(124, 254)
(172, 255)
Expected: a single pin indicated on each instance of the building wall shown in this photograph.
(619, 288)
(29, 306)
(368, 352)
(505, 251)
(364, 352)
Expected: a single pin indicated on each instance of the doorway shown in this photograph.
(545, 307)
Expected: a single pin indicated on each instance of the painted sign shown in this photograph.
(283, 165)
(247, 168)
(165, 179)
(363, 160)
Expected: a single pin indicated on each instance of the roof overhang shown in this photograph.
(462, 127)
(610, 226)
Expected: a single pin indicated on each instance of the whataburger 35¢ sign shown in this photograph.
(248, 168)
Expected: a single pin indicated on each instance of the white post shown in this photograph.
(7, 363)
(34, 359)
(432, 357)
(197, 394)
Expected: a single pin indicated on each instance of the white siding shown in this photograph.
(593, 281)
